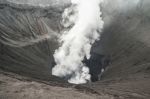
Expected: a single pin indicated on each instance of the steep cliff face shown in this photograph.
(126, 37)
(28, 38)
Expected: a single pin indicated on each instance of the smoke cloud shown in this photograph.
(83, 25)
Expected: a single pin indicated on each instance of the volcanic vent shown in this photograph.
(29, 34)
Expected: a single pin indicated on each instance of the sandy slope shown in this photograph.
(12, 88)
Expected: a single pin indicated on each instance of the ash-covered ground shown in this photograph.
(27, 47)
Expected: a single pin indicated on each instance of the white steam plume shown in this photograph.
(83, 26)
